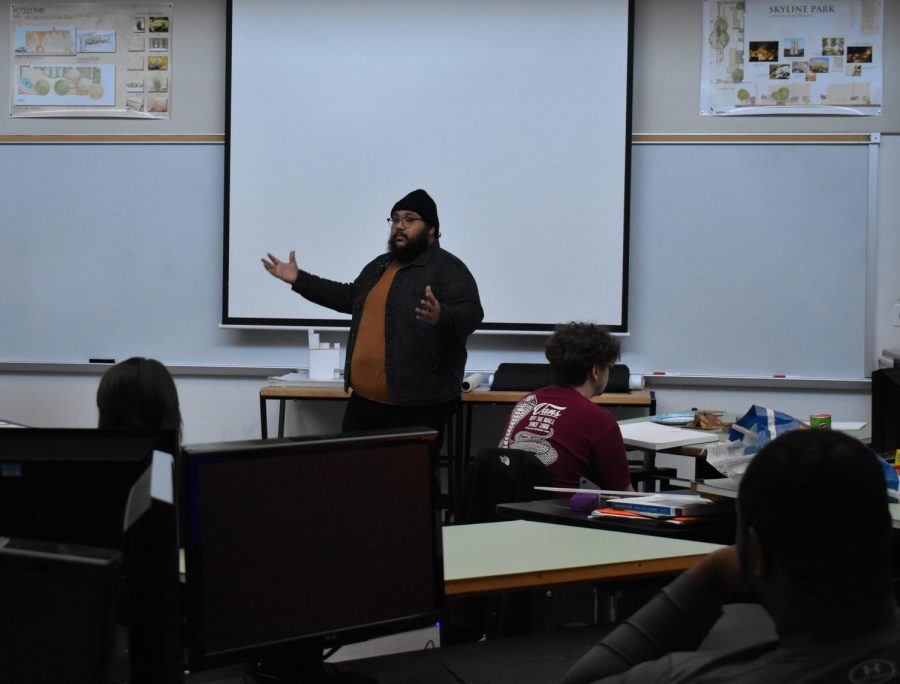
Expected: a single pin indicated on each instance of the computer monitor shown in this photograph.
(58, 617)
(886, 410)
(72, 485)
(296, 545)
(110, 489)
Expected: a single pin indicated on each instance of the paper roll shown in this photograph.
(635, 382)
(473, 381)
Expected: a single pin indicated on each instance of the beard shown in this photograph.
(414, 247)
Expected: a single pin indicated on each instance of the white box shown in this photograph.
(323, 363)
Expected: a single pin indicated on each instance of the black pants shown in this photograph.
(364, 414)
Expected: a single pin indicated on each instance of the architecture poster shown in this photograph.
(765, 57)
(91, 60)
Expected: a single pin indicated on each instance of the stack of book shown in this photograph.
(675, 509)
(300, 378)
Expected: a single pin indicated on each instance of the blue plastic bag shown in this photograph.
(759, 426)
(892, 479)
(748, 435)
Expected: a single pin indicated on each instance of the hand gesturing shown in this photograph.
(429, 309)
(285, 270)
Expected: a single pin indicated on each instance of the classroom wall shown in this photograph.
(222, 406)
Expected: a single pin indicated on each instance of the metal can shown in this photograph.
(820, 421)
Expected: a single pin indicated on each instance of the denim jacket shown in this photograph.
(424, 363)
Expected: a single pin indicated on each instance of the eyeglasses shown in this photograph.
(406, 220)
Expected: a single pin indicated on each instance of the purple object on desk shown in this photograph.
(583, 503)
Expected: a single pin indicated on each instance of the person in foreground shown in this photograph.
(412, 310)
(814, 544)
(570, 434)
(138, 393)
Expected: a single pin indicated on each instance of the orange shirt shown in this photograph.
(367, 370)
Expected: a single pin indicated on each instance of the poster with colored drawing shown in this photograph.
(765, 57)
(91, 60)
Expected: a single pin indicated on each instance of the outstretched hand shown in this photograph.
(285, 270)
(429, 309)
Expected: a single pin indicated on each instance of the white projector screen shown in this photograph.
(514, 116)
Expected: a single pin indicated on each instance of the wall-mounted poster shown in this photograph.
(771, 57)
(91, 60)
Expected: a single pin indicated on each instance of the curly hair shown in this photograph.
(575, 348)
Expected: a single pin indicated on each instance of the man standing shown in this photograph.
(570, 434)
(412, 310)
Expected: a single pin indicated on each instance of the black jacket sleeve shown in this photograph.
(327, 293)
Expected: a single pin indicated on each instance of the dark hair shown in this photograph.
(575, 348)
(138, 393)
(818, 501)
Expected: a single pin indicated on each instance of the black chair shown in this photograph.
(497, 476)
(525, 377)
(494, 476)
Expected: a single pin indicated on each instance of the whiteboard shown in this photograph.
(112, 251)
(513, 116)
(131, 263)
(749, 260)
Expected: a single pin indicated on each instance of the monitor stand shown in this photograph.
(303, 664)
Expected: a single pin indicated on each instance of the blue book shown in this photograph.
(669, 506)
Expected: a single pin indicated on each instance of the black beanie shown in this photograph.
(420, 202)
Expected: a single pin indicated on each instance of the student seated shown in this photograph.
(814, 544)
(570, 434)
(138, 393)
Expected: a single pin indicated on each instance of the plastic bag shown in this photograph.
(892, 479)
(747, 436)
(755, 429)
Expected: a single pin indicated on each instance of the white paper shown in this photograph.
(732, 458)
(161, 485)
(298, 376)
(650, 435)
(845, 425)
(670, 499)
(586, 490)
(848, 425)
(301, 378)
(473, 381)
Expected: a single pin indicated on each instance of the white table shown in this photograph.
(727, 488)
(520, 554)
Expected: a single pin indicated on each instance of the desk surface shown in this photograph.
(715, 529)
(635, 398)
(311, 391)
(864, 435)
(726, 488)
(336, 391)
(521, 554)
